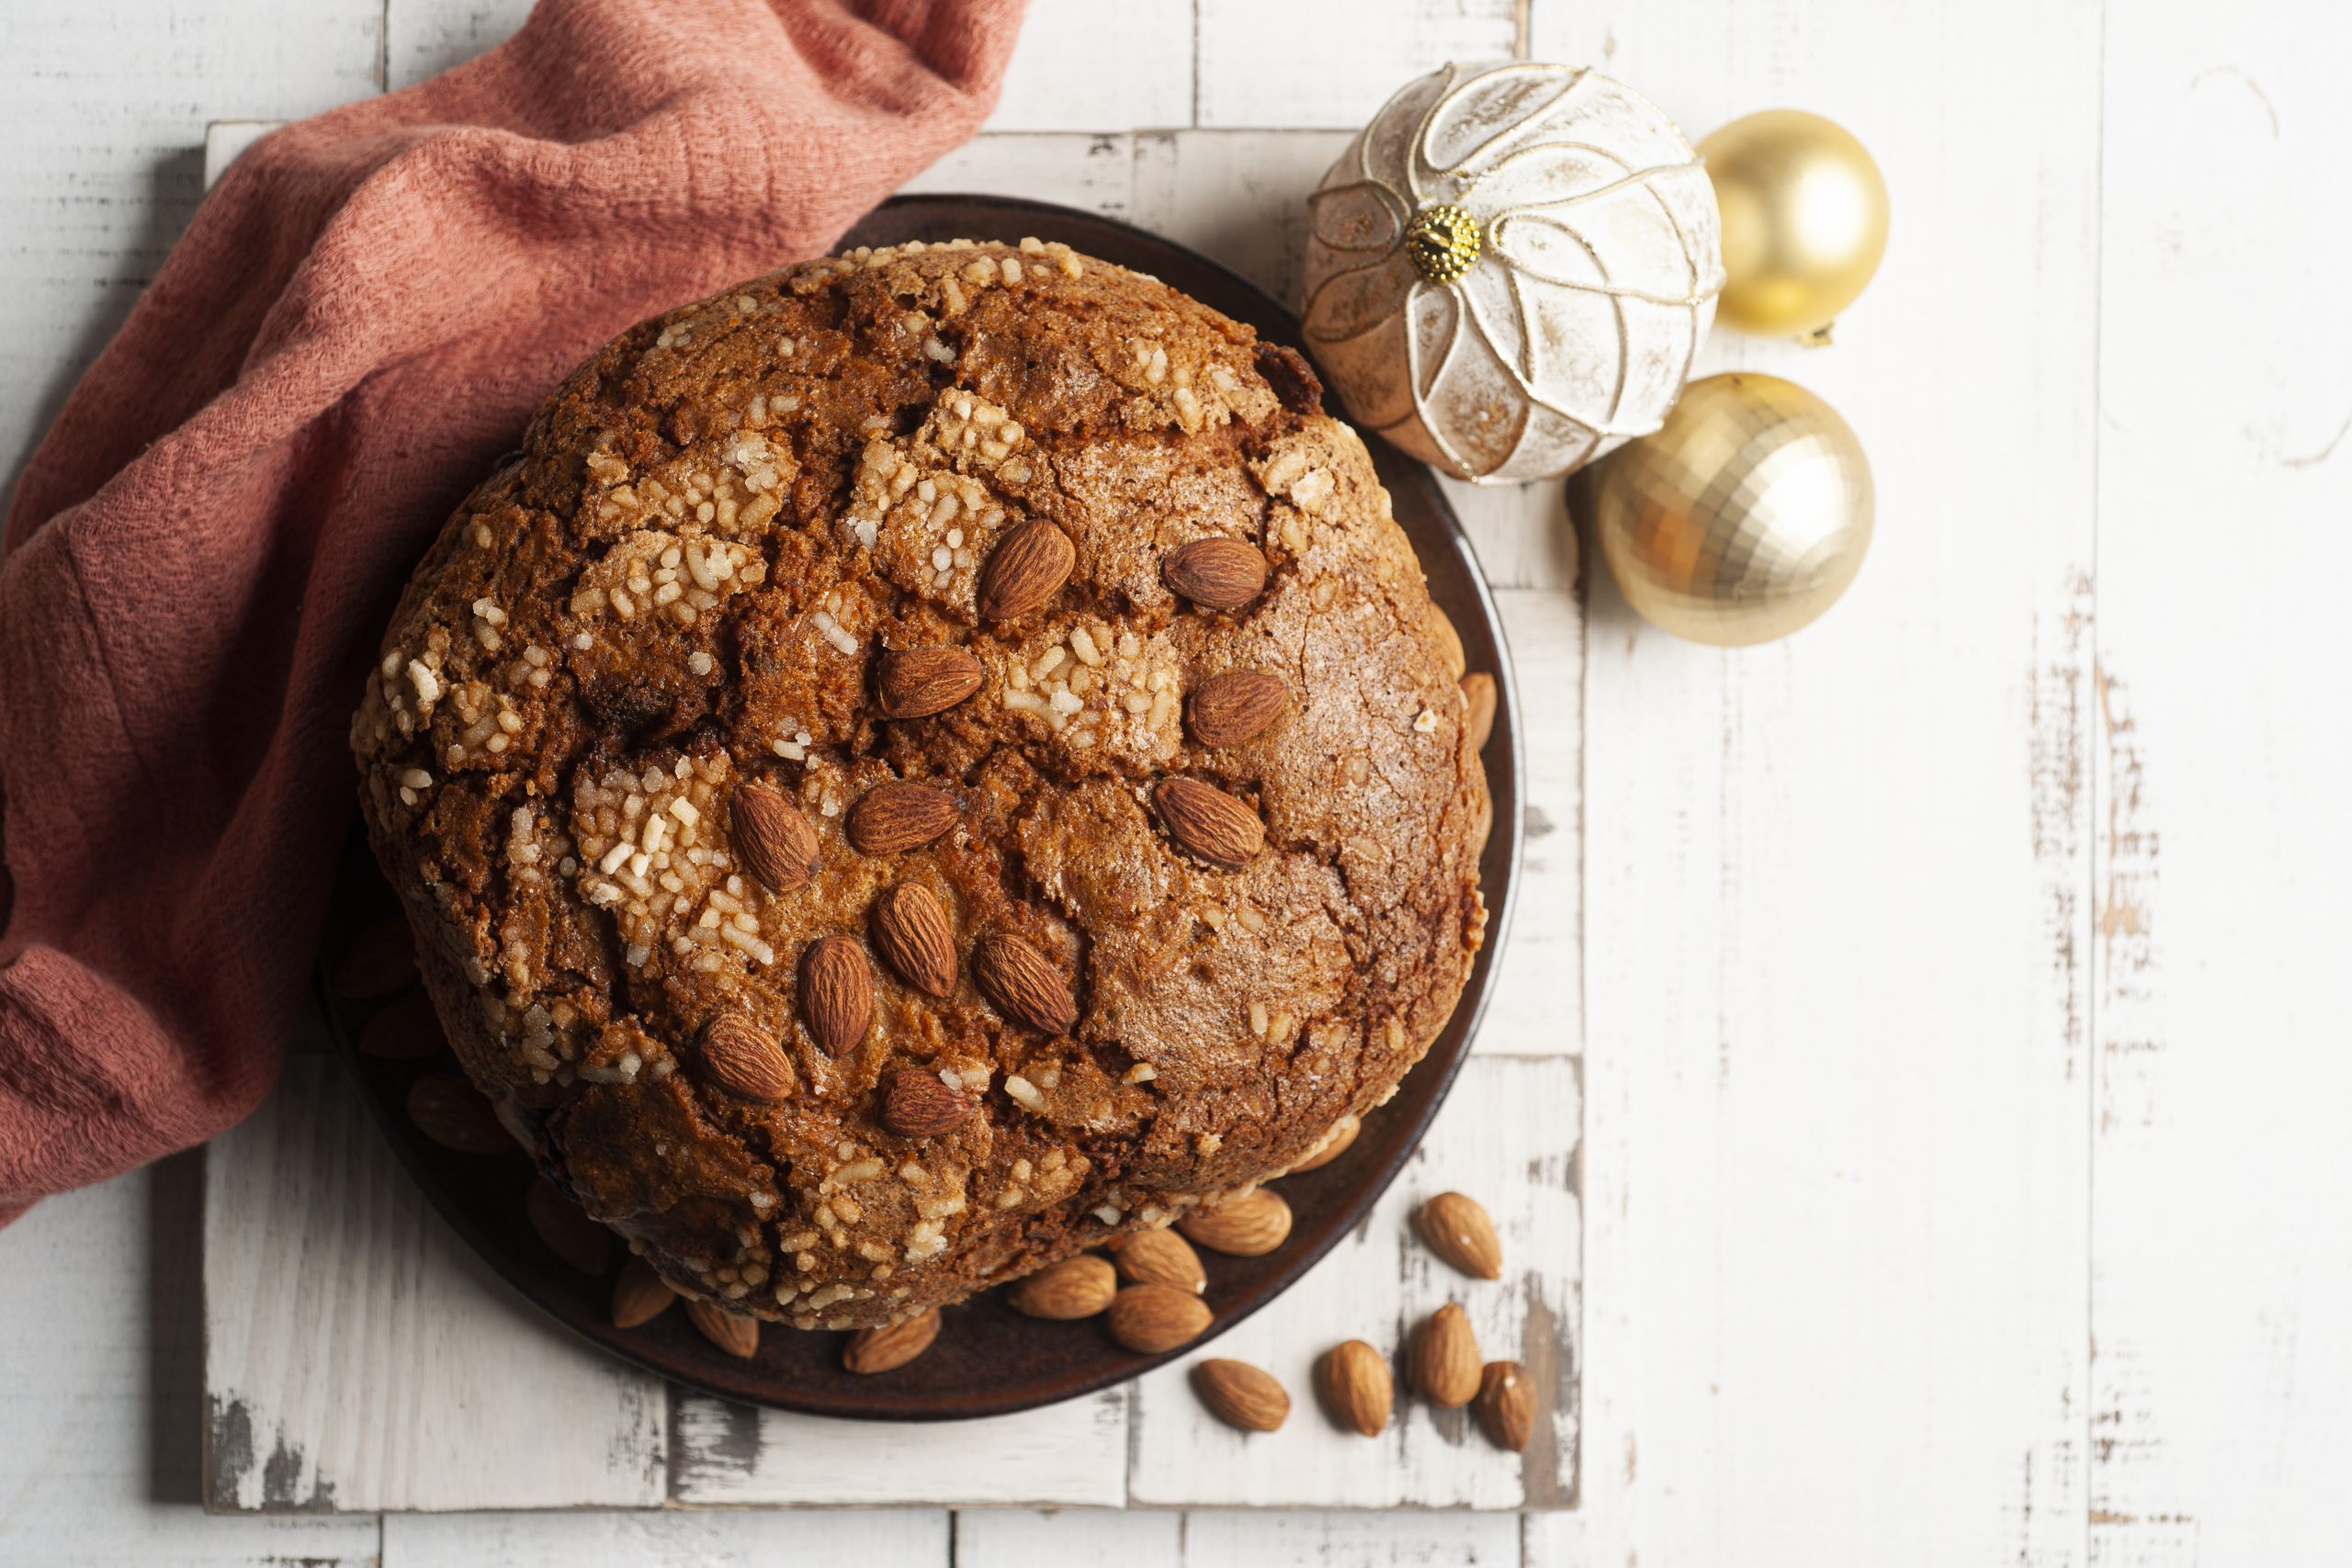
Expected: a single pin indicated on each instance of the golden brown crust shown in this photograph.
(686, 586)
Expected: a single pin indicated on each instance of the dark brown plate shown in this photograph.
(989, 1359)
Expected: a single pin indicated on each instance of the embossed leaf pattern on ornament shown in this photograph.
(1599, 263)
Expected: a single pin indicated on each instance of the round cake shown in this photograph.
(925, 760)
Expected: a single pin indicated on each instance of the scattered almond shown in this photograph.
(1076, 1287)
(1458, 1230)
(1215, 573)
(403, 1029)
(379, 961)
(1149, 1319)
(1335, 1143)
(1028, 567)
(916, 683)
(640, 1295)
(836, 994)
(1353, 1378)
(1507, 1405)
(920, 1104)
(1444, 1358)
(1249, 1225)
(740, 1057)
(897, 816)
(912, 930)
(1025, 984)
(447, 1110)
(772, 838)
(1479, 691)
(1241, 1395)
(1207, 823)
(569, 1233)
(1160, 1257)
(1226, 709)
(735, 1335)
(871, 1350)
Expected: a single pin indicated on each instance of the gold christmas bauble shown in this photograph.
(1743, 518)
(1804, 221)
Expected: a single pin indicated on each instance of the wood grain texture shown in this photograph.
(676, 1539)
(1508, 1137)
(1265, 1538)
(1329, 66)
(358, 1357)
(2220, 1400)
(1072, 1453)
(1836, 922)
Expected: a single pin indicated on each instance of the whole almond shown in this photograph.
(379, 961)
(640, 1295)
(1241, 1395)
(736, 1335)
(1207, 823)
(1160, 1257)
(1479, 691)
(740, 1057)
(920, 1104)
(1248, 1227)
(1028, 567)
(1149, 1319)
(916, 683)
(1507, 1405)
(569, 1233)
(871, 1350)
(772, 838)
(1335, 1143)
(1023, 983)
(1444, 1358)
(403, 1029)
(1353, 1379)
(1076, 1287)
(1458, 1230)
(916, 941)
(1228, 708)
(1215, 573)
(893, 817)
(447, 1110)
(836, 994)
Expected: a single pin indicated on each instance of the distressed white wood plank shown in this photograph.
(2222, 1395)
(1835, 904)
(1233, 1540)
(102, 1364)
(1537, 1008)
(676, 1539)
(1509, 1137)
(1068, 1454)
(1237, 1538)
(1095, 173)
(1239, 197)
(358, 1357)
(425, 37)
(1331, 63)
(105, 109)
(1084, 65)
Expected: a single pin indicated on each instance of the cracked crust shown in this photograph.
(683, 585)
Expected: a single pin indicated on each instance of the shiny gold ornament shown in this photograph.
(1442, 242)
(1743, 518)
(1804, 221)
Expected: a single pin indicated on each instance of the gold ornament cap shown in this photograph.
(1442, 242)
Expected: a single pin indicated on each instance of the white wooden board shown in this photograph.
(357, 1356)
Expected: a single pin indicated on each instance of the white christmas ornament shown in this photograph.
(1510, 271)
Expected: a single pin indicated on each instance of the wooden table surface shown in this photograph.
(1953, 995)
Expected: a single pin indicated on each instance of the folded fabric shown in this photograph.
(202, 552)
